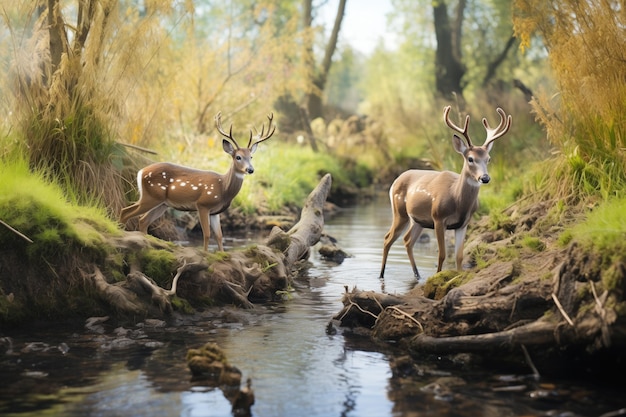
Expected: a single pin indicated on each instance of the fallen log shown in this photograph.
(535, 333)
(307, 231)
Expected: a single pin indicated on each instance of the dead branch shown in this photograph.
(20, 234)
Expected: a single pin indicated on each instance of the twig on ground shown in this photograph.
(560, 307)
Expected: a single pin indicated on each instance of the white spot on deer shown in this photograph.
(164, 174)
(171, 179)
(163, 187)
(172, 187)
(208, 192)
(193, 187)
(182, 184)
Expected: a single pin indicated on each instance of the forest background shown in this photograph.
(91, 87)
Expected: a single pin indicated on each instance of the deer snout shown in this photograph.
(484, 179)
(249, 170)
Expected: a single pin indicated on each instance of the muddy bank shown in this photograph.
(529, 299)
(133, 276)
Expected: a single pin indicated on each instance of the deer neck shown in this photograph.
(233, 181)
(466, 190)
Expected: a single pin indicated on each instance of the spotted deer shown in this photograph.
(442, 200)
(162, 185)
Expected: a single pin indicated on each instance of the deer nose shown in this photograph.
(249, 170)
(485, 178)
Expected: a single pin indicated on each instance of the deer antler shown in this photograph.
(270, 131)
(500, 130)
(218, 126)
(446, 118)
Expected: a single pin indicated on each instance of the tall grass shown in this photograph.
(586, 120)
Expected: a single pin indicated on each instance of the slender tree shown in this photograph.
(320, 74)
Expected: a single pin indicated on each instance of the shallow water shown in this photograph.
(296, 368)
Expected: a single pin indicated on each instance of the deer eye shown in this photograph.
(238, 157)
(470, 159)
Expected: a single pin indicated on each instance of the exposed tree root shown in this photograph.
(505, 307)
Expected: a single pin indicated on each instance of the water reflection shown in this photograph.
(360, 231)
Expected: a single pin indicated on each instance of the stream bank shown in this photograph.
(295, 365)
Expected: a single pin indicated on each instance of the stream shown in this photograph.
(296, 368)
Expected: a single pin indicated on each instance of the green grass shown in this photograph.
(604, 228)
(39, 210)
(286, 175)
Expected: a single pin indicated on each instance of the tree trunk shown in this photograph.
(449, 68)
(314, 98)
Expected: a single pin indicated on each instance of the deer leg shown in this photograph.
(459, 238)
(440, 232)
(143, 205)
(128, 212)
(150, 216)
(203, 214)
(217, 230)
(397, 227)
(415, 230)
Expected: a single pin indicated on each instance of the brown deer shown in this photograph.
(162, 185)
(442, 200)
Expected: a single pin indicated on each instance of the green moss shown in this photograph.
(38, 210)
(438, 285)
(613, 278)
(182, 305)
(158, 264)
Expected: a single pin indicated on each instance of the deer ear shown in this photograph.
(459, 145)
(253, 148)
(228, 147)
